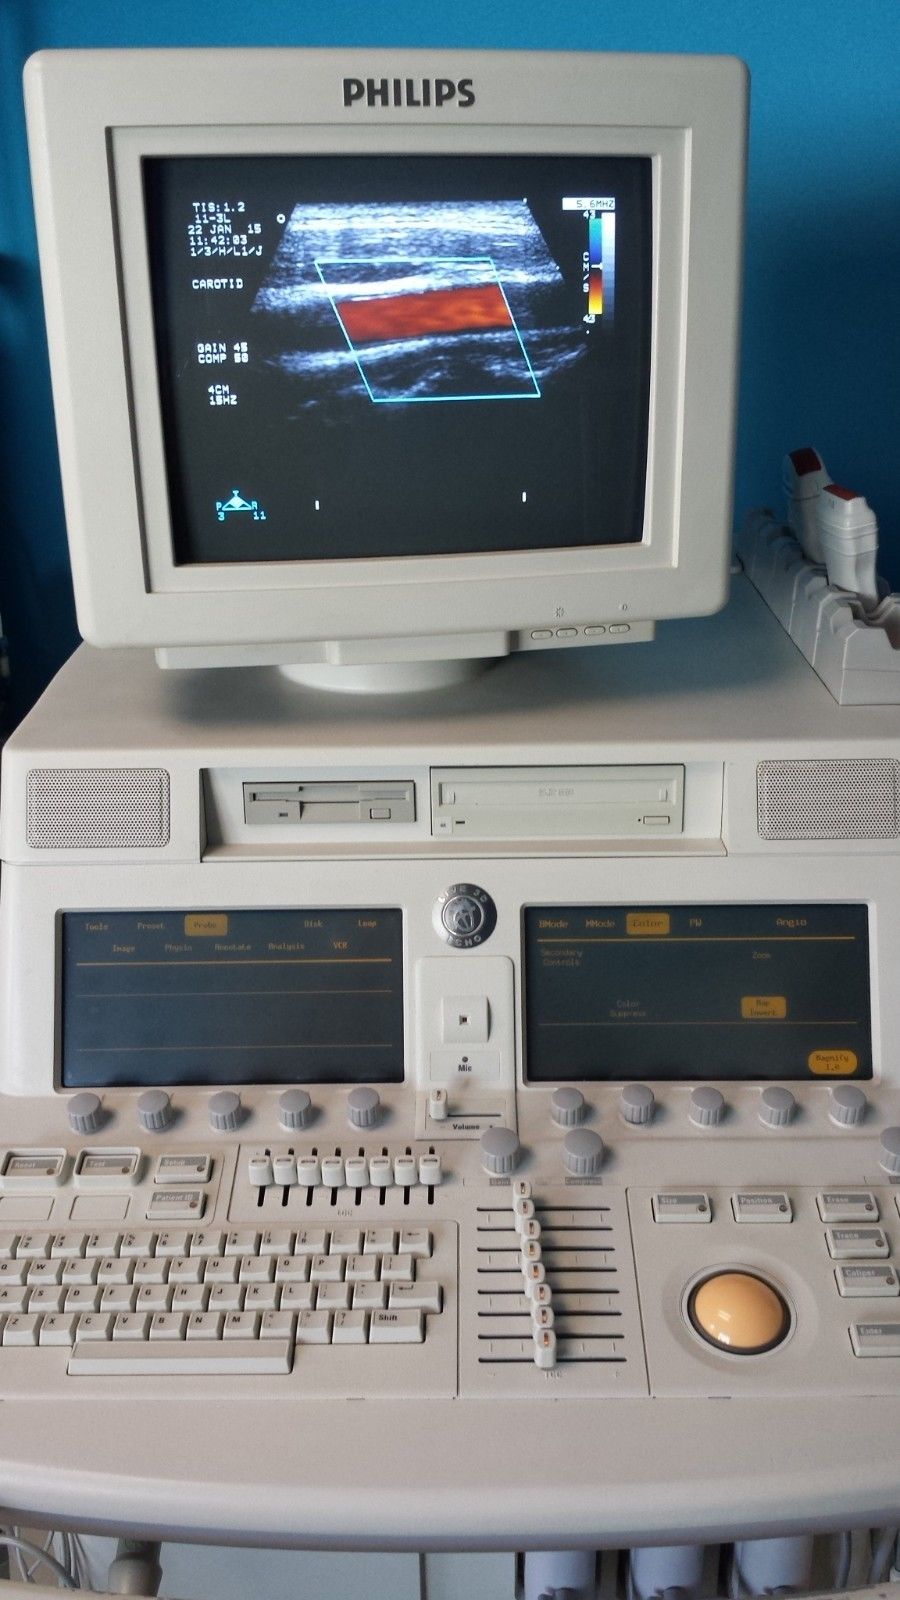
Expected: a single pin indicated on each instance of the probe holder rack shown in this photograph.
(856, 654)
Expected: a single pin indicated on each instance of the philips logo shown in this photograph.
(416, 92)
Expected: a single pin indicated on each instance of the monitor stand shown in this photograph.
(386, 677)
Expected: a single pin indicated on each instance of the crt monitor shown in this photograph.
(366, 356)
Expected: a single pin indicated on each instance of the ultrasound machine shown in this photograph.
(449, 1062)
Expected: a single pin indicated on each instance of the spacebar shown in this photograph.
(99, 1359)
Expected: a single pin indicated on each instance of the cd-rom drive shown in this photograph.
(612, 802)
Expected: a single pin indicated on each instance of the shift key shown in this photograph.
(396, 1327)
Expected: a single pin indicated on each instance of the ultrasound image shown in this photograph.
(406, 302)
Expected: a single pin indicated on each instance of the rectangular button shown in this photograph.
(875, 1338)
(415, 1242)
(847, 1205)
(345, 1242)
(193, 1357)
(866, 1282)
(679, 1207)
(846, 1243)
(350, 1327)
(380, 1242)
(314, 1327)
(761, 1208)
(107, 1170)
(369, 1296)
(32, 1171)
(176, 1205)
(396, 1327)
(311, 1242)
(191, 1168)
(415, 1297)
(397, 1269)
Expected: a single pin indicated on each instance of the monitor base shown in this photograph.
(385, 677)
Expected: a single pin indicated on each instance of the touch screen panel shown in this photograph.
(364, 356)
(697, 992)
(194, 997)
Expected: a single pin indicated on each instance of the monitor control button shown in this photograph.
(637, 1104)
(776, 1106)
(155, 1111)
(500, 1150)
(465, 915)
(85, 1112)
(224, 1111)
(740, 1312)
(294, 1109)
(847, 1105)
(363, 1108)
(583, 1153)
(889, 1154)
(567, 1107)
(707, 1106)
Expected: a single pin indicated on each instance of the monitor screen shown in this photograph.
(368, 356)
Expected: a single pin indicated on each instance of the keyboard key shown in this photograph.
(102, 1244)
(21, 1329)
(47, 1297)
(208, 1242)
(326, 1269)
(13, 1272)
(242, 1242)
(33, 1246)
(8, 1242)
(94, 1325)
(415, 1296)
(14, 1298)
(313, 1327)
(205, 1325)
(345, 1242)
(83, 1297)
(262, 1297)
(278, 1325)
(135, 1245)
(190, 1358)
(153, 1297)
(369, 1296)
(221, 1269)
(168, 1325)
(173, 1242)
(291, 1269)
(44, 1272)
(380, 1242)
(311, 1242)
(190, 1296)
(58, 1329)
(397, 1269)
(186, 1269)
(415, 1242)
(350, 1327)
(277, 1242)
(64, 1245)
(78, 1270)
(113, 1269)
(298, 1297)
(116, 1297)
(241, 1325)
(256, 1269)
(333, 1297)
(362, 1269)
(131, 1325)
(396, 1327)
(150, 1269)
(226, 1297)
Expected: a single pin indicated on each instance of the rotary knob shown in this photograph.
(890, 1150)
(583, 1153)
(363, 1108)
(567, 1107)
(85, 1112)
(707, 1106)
(499, 1151)
(154, 1109)
(776, 1106)
(225, 1110)
(294, 1109)
(637, 1103)
(848, 1105)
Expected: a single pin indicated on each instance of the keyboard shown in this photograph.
(214, 1300)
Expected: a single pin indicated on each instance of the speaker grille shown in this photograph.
(840, 799)
(98, 808)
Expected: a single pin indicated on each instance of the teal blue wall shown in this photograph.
(820, 347)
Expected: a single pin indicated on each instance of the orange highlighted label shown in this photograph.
(648, 922)
(206, 924)
(833, 1063)
(764, 1005)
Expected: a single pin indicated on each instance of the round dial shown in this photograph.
(847, 1105)
(567, 1106)
(85, 1112)
(776, 1106)
(499, 1151)
(583, 1152)
(224, 1110)
(637, 1104)
(363, 1107)
(707, 1106)
(154, 1109)
(465, 915)
(294, 1108)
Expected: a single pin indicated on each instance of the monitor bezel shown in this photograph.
(94, 116)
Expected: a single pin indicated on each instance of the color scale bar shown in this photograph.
(595, 266)
(608, 253)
